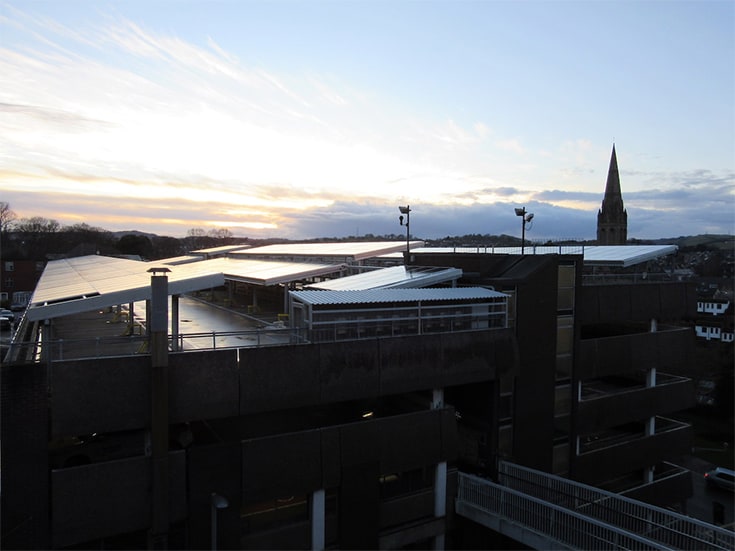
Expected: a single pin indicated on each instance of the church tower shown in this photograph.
(612, 219)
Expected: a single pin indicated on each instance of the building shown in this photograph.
(348, 426)
(612, 218)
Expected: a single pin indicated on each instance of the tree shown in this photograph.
(7, 216)
(37, 225)
(196, 238)
(132, 244)
(221, 234)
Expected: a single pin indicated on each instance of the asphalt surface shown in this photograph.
(708, 503)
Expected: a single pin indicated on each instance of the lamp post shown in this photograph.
(525, 218)
(216, 502)
(407, 211)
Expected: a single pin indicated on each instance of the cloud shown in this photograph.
(121, 126)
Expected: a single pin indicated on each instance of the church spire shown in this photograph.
(612, 218)
(612, 188)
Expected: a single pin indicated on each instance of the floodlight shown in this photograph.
(520, 212)
(407, 211)
(219, 502)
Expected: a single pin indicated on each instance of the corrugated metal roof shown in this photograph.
(371, 296)
(593, 255)
(394, 277)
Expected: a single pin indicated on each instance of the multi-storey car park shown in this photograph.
(372, 399)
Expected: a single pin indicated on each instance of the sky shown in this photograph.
(304, 119)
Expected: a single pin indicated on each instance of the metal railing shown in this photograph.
(552, 522)
(97, 347)
(668, 528)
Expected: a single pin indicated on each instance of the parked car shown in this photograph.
(6, 318)
(721, 477)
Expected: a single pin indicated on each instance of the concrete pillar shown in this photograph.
(46, 352)
(651, 377)
(440, 499)
(174, 322)
(650, 383)
(440, 489)
(131, 316)
(318, 520)
(157, 322)
(437, 398)
(650, 427)
(440, 475)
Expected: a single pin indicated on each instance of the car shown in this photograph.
(6, 319)
(721, 477)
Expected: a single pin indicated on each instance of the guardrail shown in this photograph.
(668, 528)
(97, 347)
(551, 523)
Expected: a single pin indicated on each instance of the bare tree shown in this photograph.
(221, 233)
(37, 224)
(7, 216)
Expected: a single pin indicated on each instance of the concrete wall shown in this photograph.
(633, 405)
(607, 463)
(24, 475)
(664, 350)
(641, 302)
(112, 394)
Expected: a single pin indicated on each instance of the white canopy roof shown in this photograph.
(343, 251)
(593, 255)
(85, 283)
(394, 277)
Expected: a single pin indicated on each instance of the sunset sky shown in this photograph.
(305, 119)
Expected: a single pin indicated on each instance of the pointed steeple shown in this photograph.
(612, 188)
(612, 219)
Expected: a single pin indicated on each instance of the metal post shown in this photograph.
(157, 322)
(216, 502)
(523, 231)
(407, 211)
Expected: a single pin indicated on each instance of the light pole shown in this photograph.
(525, 218)
(407, 211)
(217, 502)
